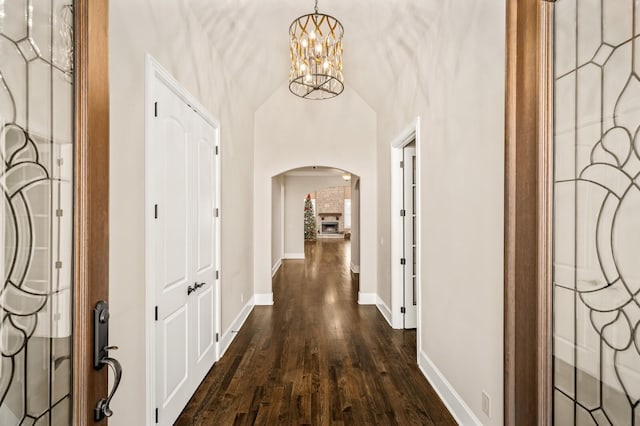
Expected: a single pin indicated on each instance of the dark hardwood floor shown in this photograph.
(317, 358)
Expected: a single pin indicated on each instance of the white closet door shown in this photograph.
(170, 162)
(203, 301)
(182, 189)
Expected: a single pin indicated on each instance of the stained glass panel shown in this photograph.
(36, 222)
(596, 244)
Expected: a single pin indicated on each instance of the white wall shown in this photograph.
(288, 136)
(455, 83)
(171, 33)
(296, 189)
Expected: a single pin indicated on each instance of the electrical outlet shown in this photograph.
(486, 404)
(241, 297)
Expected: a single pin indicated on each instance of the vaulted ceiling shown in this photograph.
(382, 39)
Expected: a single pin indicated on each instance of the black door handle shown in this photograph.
(103, 410)
(195, 287)
(101, 357)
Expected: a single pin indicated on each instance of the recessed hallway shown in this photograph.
(316, 357)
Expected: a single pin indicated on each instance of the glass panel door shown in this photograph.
(36, 222)
(596, 247)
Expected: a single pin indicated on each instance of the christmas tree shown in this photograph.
(309, 219)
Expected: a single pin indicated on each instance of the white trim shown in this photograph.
(409, 134)
(235, 326)
(383, 308)
(154, 69)
(367, 298)
(264, 299)
(355, 268)
(294, 256)
(452, 400)
(274, 269)
(282, 221)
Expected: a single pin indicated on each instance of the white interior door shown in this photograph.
(182, 190)
(203, 235)
(409, 236)
(172, 226)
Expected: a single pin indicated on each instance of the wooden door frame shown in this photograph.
(528, 165)
(91, 201)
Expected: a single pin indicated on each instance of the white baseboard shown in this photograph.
(355, 268)
(264, 299)
(293, 256)
(456, 405)
(384, 309)
(275, 268)
(367, 298)
(230, 334)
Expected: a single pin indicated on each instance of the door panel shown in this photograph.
(171, 195)
(37, 218)
(174, 217)
(205, 201)
(596, 213)
(206, 325)
(175, 367)
(204, 238)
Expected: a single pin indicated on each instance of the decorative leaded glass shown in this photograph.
(36, 224)
(596, 244)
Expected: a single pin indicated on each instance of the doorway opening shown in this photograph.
(405, 229)
(312, 204)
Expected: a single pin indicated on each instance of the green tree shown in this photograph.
(309, 219)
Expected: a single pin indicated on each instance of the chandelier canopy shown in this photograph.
(316, 56)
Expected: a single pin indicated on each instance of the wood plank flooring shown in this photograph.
(317, 358)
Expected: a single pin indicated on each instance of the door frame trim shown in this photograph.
(153, 69)
(91, 199)
(408, 135)
(528, 192)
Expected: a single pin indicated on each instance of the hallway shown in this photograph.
(316, 357)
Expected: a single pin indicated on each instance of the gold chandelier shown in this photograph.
(316, 56)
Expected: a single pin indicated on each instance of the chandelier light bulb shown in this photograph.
(318, 48)
(325, 65)
(305, 43)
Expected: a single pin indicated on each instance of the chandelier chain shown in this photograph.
(316, 6)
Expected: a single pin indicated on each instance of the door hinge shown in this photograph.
(59, 213)
(155, 211)
(216, 337)
(217, 150)
(403, 212)
(217, 275)
(157, 416)
(402, 164)
(155, 113)
(217, 212)
(156, 313)
(403, 310)
(403, 261)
